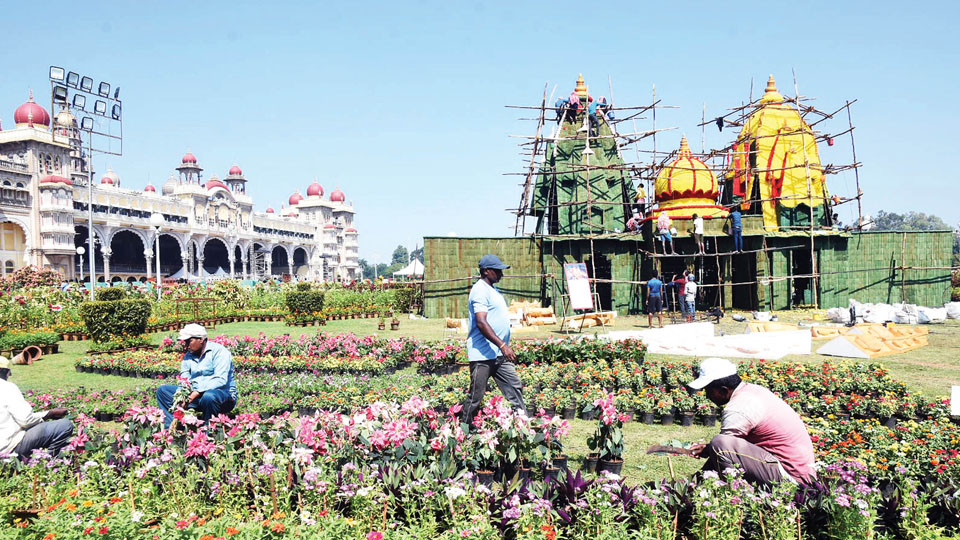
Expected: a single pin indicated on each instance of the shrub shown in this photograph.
(305, 302)
(115, 319)
(403, 299)
(109, 294)
(17, 341)
(304, 286)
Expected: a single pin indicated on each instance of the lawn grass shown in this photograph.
(931, 370)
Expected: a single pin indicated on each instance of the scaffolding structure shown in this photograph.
(579, 184)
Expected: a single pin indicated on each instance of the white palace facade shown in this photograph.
(210, 227)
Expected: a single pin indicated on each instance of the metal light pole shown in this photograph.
(156, 219)
(107, 106)
(80, 252)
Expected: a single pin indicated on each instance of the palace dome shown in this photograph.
(54, 179)
(189, 158)
(235, 171)
(110, 177)
(150, 188)
(350, 230)
(270, 210)
(686, 186)
(31, 112)
(65, 119)
(337, 196)
(215, 183)
(315, 190)
(295, 198)
(329, 226)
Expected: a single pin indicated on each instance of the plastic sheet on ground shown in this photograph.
(880, 313)
(698, 339)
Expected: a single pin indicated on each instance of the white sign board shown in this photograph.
(578, 285)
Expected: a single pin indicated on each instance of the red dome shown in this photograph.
(150, 188)
(54, 179)
(350, 230)
(235, 171)
(315, 190)
(329, 226)
(291, 214)
(189, 158)
(337, 196)
(106, 180)
(269, 210)
(30, 112)
(214, 184)
(295, 198)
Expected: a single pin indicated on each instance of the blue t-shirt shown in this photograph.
(654, 286)
(212, 370)
(735, 220)
(485, 298)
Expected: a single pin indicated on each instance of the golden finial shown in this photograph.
(771, 93)
(684, 146)
(581, 87)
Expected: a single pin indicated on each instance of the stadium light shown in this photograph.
(100, 107)
(56, 73)
(115, 113)
(73, 79)
(86, 84)
(79, 101)
(104, 89)
(60, 94)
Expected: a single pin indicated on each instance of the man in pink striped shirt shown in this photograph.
(759, 432)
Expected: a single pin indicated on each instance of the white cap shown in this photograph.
(712, 369)
(4, 362)
(192, 330)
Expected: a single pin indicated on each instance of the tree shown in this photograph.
(417, 254)
(400, 256)
(909, 221)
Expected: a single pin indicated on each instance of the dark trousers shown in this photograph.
(50, 436)
(210, 403)
(726, 451)
(507, 380)
(737, 239)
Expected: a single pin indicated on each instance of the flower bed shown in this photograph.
(402, 470)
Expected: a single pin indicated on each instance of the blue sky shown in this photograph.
(401, 105)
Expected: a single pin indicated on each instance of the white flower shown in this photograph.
(704, 493)
(136, 515)
(454, 493)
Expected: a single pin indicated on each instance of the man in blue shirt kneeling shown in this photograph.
(488, 344)
(209, 368)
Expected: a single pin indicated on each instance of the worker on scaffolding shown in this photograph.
(698, 232)
(640, 200)
(562, 106)
(736, 229)
(663, 229)
(592, 115)
(633, 224)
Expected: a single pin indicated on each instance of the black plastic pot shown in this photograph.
(611, 466)
(666, 419)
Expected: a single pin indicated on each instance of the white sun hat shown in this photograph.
(192, 330)
(712, 369)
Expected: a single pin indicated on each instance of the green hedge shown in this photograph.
(305, 302)
(403, 299)
(117, 319)
(17, 341)
(109, 294)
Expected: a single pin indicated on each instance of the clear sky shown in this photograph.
(401, 104)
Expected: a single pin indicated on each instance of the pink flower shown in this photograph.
(374, 535)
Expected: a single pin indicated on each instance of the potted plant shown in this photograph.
(664, 407)
(686, 403)
(643, 403)
(607, 440)
(395, 324)
(382, 321)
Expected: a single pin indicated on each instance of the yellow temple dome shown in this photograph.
(686, 186)
(778, 148)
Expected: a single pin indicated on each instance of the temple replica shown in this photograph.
(580, 192)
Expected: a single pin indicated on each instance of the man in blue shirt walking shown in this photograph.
(488, 344)
(654, 301)
(209, 368)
